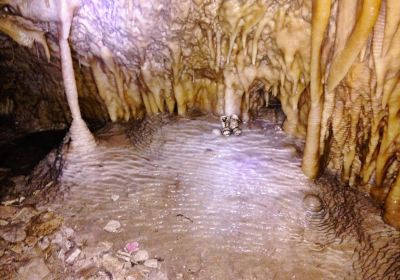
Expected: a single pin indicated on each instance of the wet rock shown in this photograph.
(157, 275)
(131, 247)
(113, 226)
(13, 232)
(17, 248)
(312, 202)
(36, 269)
(44, 243)
(17, 200)
(72, 255)
(7, 212)
(85, 268)
(140, 256)
(31, 241)
(45, 224)
(68, 232)
(124, 256)
(112, 264)
(58, 239)
(26, 214)
(98, 251)
(68, 244)
(152, 263)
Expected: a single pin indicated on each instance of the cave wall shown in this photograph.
(32, 93)
(333, 64)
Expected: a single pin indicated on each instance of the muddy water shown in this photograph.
(212, 207)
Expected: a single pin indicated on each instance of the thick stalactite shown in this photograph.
(333, 64)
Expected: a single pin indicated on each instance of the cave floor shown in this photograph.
(205, 206)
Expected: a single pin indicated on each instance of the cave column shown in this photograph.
(320, 20)
(82, 138)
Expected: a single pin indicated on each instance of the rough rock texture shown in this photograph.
(333, 64)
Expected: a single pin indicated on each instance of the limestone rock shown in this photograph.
(113, 226)
(140, 256)
(72, 256)
(36, 269)
(13, 233)
(152, 263)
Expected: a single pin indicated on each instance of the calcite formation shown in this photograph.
(333, 64)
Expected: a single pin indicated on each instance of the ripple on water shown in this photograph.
(211, 207)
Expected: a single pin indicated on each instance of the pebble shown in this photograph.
(152, 263)
(114, 197)
(113, 226)
(124, 256)
(44, 243)
(3, 222)
(72, 256)
(13, 233)
(36, 269)
(68, 232)
(140, 256)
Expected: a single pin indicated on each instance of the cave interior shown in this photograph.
(88, 88)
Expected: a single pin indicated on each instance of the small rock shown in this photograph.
(13, 233)
(112, 263)
(3, 222)
(10, 202)
(114, 197)
(7, 212)
(36, 269)
(131, 247)
(113, 226)
(69, 244)
(101, 249)
(25, 214)
(58, 239)
(31, 241)
(157, 275)
(123, 256)
(140, 256)
(16, 248)
(72, 256)
(45, 224)
(68, 232)
(43, 243)
(152, 263)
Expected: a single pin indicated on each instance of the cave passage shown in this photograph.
(120, 170)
